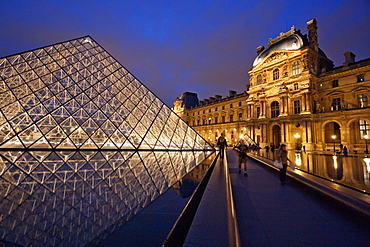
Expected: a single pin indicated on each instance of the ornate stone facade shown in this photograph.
(296, 96)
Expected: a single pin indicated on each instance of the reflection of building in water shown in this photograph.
(83, 144)
(298, 159)
(350, 170)
(295, 96)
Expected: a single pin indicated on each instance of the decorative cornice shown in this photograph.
(282, 36)
(339, 72)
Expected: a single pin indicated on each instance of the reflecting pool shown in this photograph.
(152, 225)
(352, 171)
(67, 198)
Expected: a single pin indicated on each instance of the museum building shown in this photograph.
(295, 96)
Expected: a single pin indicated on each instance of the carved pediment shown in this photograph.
(275, 56)
(273, 90)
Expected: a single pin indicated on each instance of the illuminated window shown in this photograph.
(360, 78)
(275, 109)
(364, 128)
(259, 79)
(296, 68)
(362, 100)
(275, 74)
(297, 106)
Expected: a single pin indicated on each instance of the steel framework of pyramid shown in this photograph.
(75, 95)
(83, 144)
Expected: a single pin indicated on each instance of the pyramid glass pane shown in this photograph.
(83, 144)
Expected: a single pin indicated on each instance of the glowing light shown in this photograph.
(297, 135)
(241, 136)
(298, 159)
(367, 162)
(333, 137)
(335, 159)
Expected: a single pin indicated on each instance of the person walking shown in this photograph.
(242, 149)
(282, 156)
(222, 144)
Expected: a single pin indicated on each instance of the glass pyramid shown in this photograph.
(83, 144)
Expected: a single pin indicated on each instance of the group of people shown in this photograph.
(242, 149)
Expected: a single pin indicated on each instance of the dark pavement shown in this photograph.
(271, 214)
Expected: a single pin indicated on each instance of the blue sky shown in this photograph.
(175, 46)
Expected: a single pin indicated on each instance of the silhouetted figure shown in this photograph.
(282, 156)
(242, 150)
(222, 144)
(345, 151)
(341, 147)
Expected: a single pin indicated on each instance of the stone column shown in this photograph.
(289, 143)
(286, 105)
(281, 106)
(262, 110)
(308, 105)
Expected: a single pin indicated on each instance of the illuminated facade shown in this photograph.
(83, 144)
(296, 96)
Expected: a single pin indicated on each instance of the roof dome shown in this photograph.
(293, 42)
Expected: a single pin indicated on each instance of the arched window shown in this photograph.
(259, 79)
(296, 68)
(275, 74)
(275, 109)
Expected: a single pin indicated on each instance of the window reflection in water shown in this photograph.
(349, 170)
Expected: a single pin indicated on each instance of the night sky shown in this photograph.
(176, 46)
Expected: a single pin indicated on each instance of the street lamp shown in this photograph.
(334, 137)
(296, 136)
(366, 150)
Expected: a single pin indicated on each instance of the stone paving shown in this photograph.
(271, 214)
